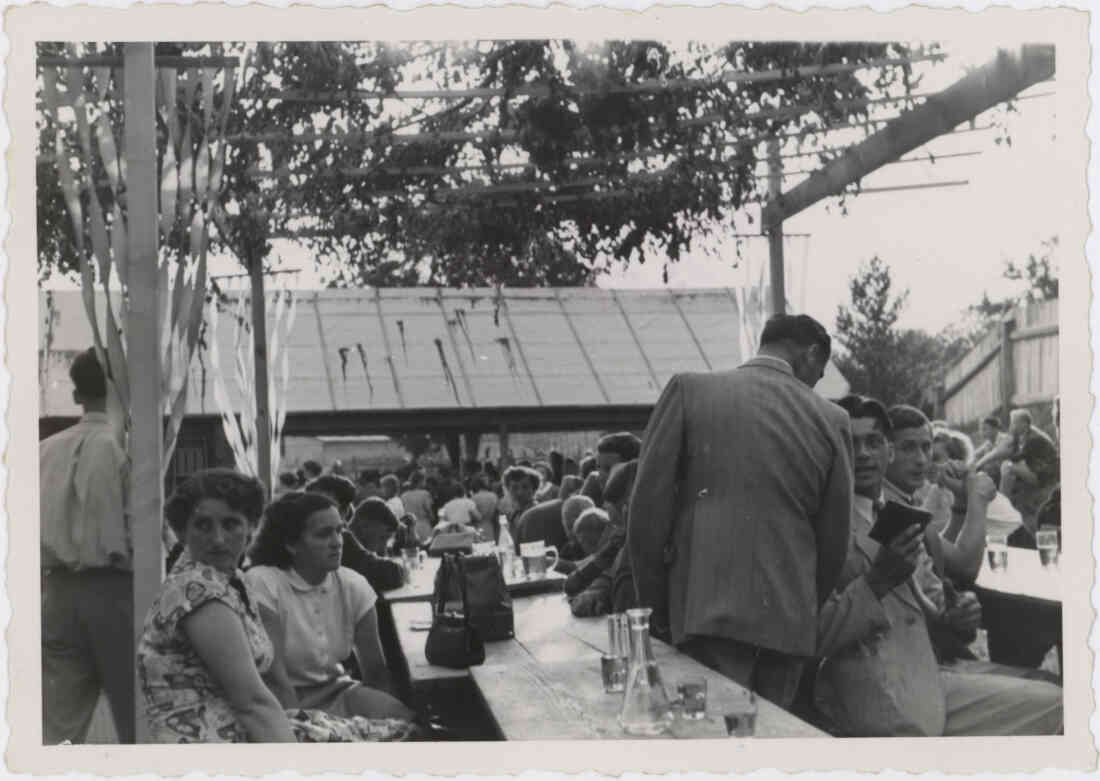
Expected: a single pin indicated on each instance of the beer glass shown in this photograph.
(996, 550)
(534, 558)
(692, 692)
(1046, 540)
(741, 719)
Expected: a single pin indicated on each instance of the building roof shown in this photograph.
(427, 348)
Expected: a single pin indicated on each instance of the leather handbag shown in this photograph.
(453, 641)
(478, 582)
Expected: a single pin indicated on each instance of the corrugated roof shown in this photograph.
(428, 348)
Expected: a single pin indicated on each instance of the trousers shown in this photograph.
(87, 648)
(991, 704)
(771, 674)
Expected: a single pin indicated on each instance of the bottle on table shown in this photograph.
(506, 548)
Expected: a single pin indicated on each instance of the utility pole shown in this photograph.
(774, 230)
(259, 362)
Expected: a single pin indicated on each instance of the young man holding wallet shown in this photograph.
(879, 675)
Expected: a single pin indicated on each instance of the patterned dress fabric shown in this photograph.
(184, 704)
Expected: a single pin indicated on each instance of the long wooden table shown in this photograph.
(422, 583)
(545, 684)
(1021, 608)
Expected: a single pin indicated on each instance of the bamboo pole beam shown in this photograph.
(580, 345)
(996, 82)
(389, 349)
(645, 85)
(691, 331)
(454, 347)
(159, 61)
(146, 445)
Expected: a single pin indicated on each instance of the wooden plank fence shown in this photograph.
(1015, 365)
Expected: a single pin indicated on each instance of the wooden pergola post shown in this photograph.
(146, 418)
(259, 354)
(777, 277)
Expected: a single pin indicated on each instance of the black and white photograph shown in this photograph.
(670, 389)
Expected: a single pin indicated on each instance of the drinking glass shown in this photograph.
(741, 718)
(693, 697)
(1046, 540)
(996, 550)
(410, 557)
(614, 663)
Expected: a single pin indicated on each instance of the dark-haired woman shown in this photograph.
(206, 665)
(318, 612)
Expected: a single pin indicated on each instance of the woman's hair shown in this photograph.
(571, 510)
(242, 493)
(338, 487)
(570, 484)
(587, 466)
(620, 482)
(284, 522)
(958, 445)
(392, 481)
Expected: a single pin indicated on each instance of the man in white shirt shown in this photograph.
(87, 559)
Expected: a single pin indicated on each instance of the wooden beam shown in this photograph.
(691, 331)
(143, 342)
(324, 350)
(644, 85)
(637, 341)
(159, 61)
(454, 348)
(982, 89)
(777, 275)
(519, 348)
(389, 350)
(580, 344)
(1008, 367)
(260, 373)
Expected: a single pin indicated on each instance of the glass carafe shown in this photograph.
(647, 709)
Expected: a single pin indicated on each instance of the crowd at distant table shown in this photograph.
(741, 517)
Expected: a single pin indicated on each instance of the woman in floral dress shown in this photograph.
(204, 660)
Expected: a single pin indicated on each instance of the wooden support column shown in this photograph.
(502, 436)
(1008, 367)
(777, 277)
(142, 330)
(259, 361)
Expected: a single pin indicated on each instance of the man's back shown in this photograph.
(83, 474)
(745, 478)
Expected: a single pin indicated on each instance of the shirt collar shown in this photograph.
(908, 497)
(298, 583)
(95, 417)
(865, 507)
(773, 362)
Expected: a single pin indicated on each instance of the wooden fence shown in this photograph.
(1015, 365)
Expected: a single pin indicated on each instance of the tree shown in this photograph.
(894, 365)
(1039, 275)
(626, 168)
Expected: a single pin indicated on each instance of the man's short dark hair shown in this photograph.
(517, 473)
(88, 376)
(338, 487)
(992, 421)
(620, 482)
(625, 444)
(312, 469)
(865, 407)
(803, 330)
(903, 416)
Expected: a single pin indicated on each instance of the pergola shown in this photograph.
(998, 81)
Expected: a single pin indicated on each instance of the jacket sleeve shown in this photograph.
(594, 600)
(382, 574)
(851, 614)
(832, 524)
(653, 502)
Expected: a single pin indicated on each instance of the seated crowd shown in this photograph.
(271, 624)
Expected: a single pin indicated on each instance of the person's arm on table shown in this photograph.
(594, 600)
(653, 502)
(595, 565)
(216, 634)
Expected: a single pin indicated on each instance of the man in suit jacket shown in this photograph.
(880, 676)
(740, 509)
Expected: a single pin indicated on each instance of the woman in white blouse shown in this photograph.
(317, 612)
